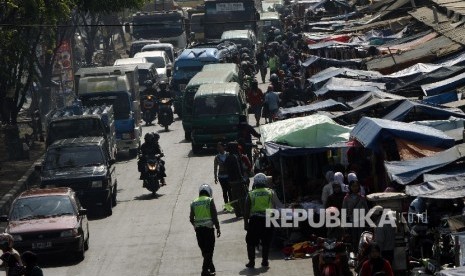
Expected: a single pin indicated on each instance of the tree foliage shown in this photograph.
(31, 31)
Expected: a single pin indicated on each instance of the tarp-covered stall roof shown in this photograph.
(405, 172)
(444, 188)
(345, 72)
(338, 85)
(329, 104)
(370, 132)
(310, 132)
(447, 85)
(328, 62)
(409, 111)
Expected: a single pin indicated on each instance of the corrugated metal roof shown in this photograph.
(446, 27)
(452, 5)
(428, 51)
(394, 24)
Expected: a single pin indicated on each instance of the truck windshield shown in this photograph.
(158, 61)
(74, 128)
(217, 105)
(157, 27)
(70, 157)
(120, 101)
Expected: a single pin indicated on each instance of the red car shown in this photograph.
(48, 221)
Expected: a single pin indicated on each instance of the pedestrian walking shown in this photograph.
(354, 202)
(255, 99)
(30, 262)
(273, 63)
(220, 172)
(203, 216)
(258, 201)
(328, 188)
(236, 177)
(271, 103)
(262, 63)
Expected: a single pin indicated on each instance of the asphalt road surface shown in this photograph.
(153, 236)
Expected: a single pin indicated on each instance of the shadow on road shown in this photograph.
(58, 261)
(148, 196)
(231, 220)
(254, 271)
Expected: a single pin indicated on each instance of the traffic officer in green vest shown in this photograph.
(258, 200)
(203, 216)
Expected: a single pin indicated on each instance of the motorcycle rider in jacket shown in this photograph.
(151, 147)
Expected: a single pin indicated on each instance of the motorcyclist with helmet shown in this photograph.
(151, 147)
(164, 91)
(204, 216)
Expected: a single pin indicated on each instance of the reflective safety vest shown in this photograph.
(202, 211)
(260, 201)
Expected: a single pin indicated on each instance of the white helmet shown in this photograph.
(206, 188)
(260, 180)
(377, 210)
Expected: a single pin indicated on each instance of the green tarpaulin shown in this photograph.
(314, 131)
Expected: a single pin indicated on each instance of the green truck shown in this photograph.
(216, 111)
(200, 78)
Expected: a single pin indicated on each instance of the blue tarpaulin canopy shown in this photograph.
(405, 172)
(409, 111)
(446, 85)
(370, 132)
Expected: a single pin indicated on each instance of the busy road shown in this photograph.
(153, 236)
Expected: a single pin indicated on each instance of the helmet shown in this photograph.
(148, 137)
(260, 180)
(274, 77)
(277, 31)
(244, 64)
(331, 211)
(206, 188)
(156, 137)
(6, 240)
(377, 210)
(270, 88)
(162, 85)
(245, 56)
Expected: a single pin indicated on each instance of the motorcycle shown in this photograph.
(152, 172)
(165, 113)
(149, 109)
(332, 258)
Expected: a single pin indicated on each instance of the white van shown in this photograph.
(161, 61)
(167, 47)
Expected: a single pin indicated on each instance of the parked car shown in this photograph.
(161, 61)
(84, 165)
(48, 221)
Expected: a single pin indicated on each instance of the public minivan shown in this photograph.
(216, 111)
(242, 38)
(191, 89)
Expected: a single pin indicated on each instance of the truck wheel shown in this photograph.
(115, 192)
(196, 149)
(109, 206)
(187, 135)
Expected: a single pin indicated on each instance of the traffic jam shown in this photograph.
(335, 127)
